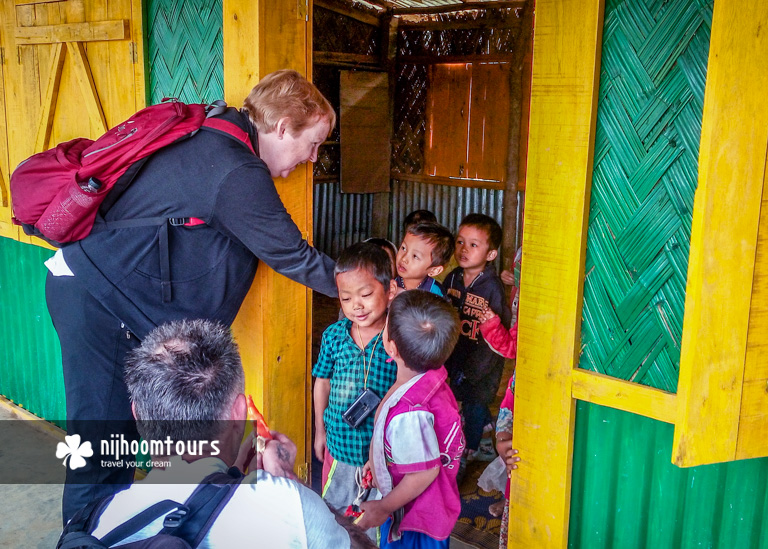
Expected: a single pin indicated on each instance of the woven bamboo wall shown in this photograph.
(645, 172)
(186, 50)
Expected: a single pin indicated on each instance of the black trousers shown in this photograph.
(94, 344)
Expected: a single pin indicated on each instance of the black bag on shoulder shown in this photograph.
(184, 528)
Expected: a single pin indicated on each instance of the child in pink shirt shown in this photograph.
(417, 438)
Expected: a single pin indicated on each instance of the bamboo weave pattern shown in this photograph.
(186, 50)
(653, 72)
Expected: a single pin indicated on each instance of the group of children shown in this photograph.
(387, 425)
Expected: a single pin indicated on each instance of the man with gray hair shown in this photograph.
(186, 385)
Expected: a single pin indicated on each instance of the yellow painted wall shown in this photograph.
(274, 326)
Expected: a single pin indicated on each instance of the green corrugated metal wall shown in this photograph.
(30, 356)
(626, 493)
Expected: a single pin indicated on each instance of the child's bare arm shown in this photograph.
(321, 393)
(375, 513)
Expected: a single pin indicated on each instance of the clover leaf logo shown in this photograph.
(74, 451)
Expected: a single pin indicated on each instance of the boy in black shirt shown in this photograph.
(474, 368)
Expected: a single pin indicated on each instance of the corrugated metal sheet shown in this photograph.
(30, 356)
(340, 219)
(450, 204)
(627, 494)
(343, 219)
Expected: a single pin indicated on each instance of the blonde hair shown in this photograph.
(287, 94)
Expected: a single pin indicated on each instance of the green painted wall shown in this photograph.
(30, 356)
(626, 493)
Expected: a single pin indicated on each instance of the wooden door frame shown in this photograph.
(564, 91)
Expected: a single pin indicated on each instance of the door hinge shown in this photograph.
(303, 472)
(302, 9)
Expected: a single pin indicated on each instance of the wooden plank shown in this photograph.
(514, 4)
(734, 140)
(32, 2)
(272, 326)
(364, 121)
(488, 139)
(447, 59)
(333, 57)
(49, 99)
(74, 32)
(345, 9)
(753, 416)
(453, 181)
(567, 45)
(624, 395)
(88, 88)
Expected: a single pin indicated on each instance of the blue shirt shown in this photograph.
(343, 362)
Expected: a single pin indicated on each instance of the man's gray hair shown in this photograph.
(183, 380)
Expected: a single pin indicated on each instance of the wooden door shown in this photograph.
(70, 68)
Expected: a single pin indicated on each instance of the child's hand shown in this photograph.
(487, 314)
(505, 450)
(507, 277)
(369, 481)
(374, 514)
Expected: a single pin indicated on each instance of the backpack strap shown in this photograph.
(139, 521)
(190, 521)
(220, 125)
(205, 505)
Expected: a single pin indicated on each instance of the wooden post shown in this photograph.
(516, 90)
(567, 45)
(273, 327)
(724, 240)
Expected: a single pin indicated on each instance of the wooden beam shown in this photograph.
(726, 212)
(514, 4)
(624, 395)
(272, 326)
(49, 100)
(73, 32)
(517, 90)
(461, 59)
(82, 70)
(486, 23)
(30, 2)
(564, 89)
(453, 181)
(335, 58)
(346, 10)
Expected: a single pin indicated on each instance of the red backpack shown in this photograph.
(57, 193)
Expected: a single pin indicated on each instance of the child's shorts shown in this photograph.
(410, 540)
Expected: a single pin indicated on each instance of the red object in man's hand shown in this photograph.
(352, 512)
(258, 420)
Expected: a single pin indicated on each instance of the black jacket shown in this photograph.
(216, 178)
(472, 359)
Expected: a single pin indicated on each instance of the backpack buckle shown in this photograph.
(174, 519)
(178, 221)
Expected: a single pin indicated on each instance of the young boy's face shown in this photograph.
(472, 248)
(414, 259)
(363, 298)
